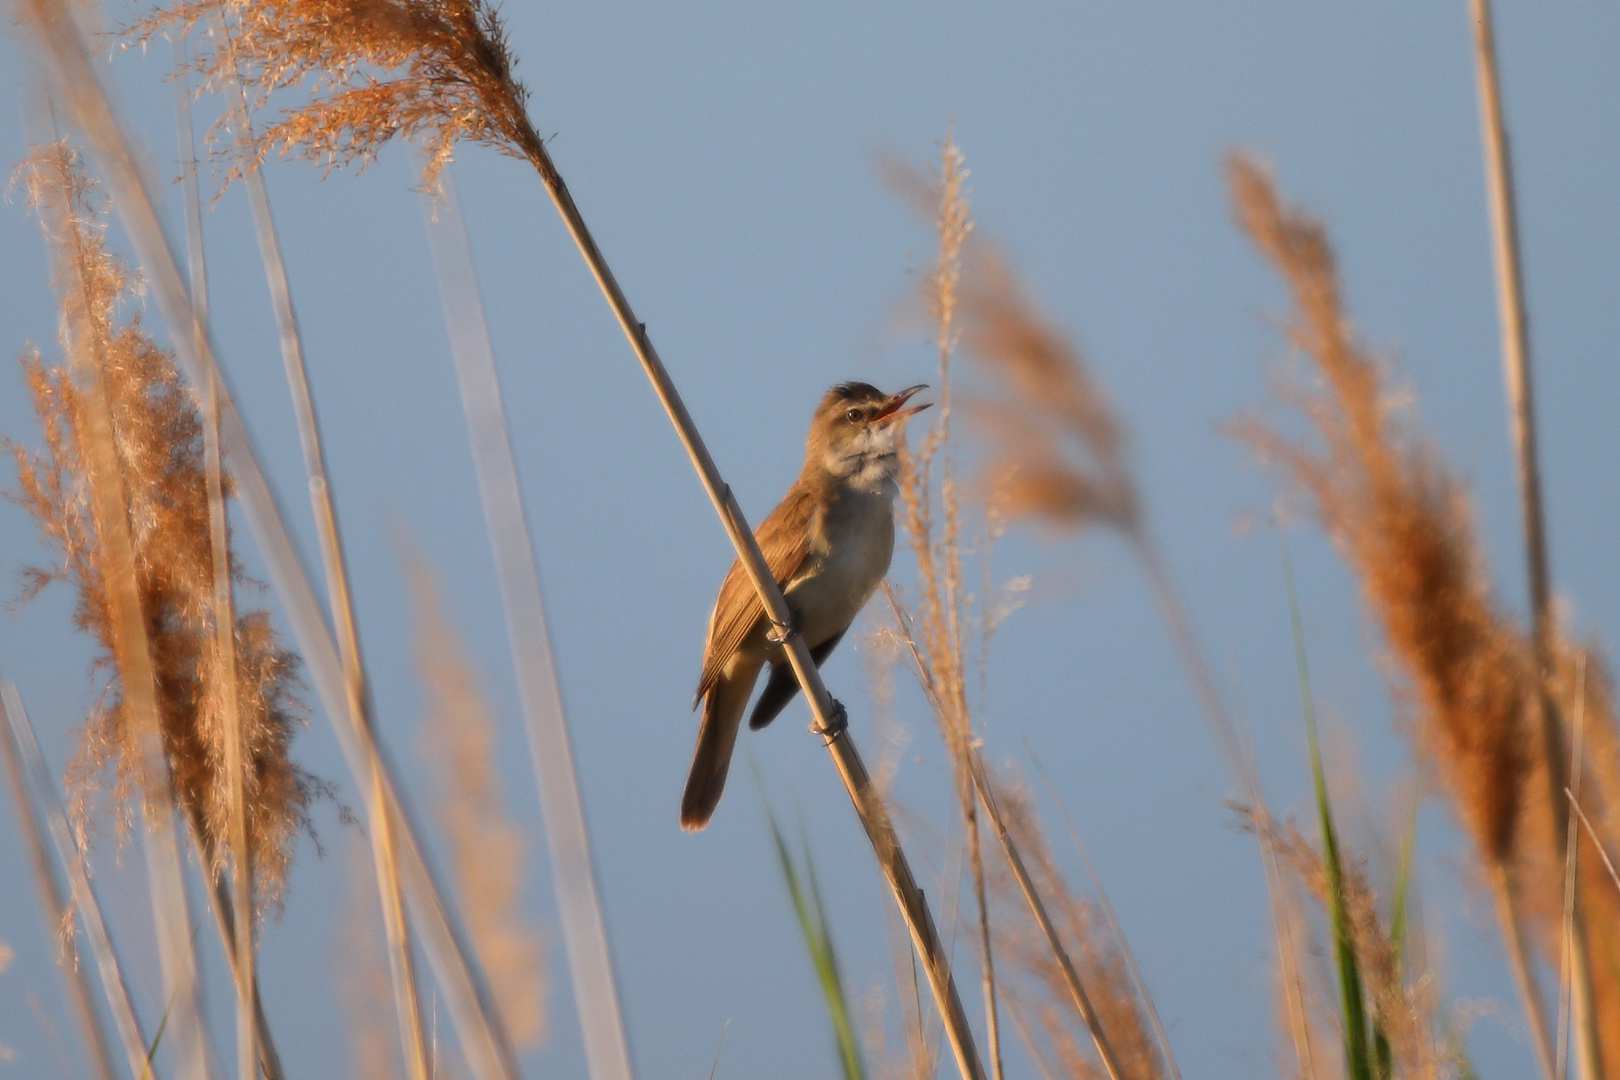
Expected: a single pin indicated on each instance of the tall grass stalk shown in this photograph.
(65, 60)
(19, 733)
(585, 938)
(1516, 371)
(58, 915)
(58, 195)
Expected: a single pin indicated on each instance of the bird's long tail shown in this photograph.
(722, 716)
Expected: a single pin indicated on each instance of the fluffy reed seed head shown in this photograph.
(158, 437)
(438, 71)
(1400, 518)
(1057, 450)
(486, 847)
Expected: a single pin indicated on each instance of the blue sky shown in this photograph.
(724, 155)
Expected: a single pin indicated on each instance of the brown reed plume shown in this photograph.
(434, 71)
(1400, 518)
(158, 435)
(486, 846)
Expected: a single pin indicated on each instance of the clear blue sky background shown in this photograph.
(723, 153)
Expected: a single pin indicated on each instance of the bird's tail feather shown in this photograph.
(722, 716)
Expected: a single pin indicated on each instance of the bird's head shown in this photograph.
(856, 434)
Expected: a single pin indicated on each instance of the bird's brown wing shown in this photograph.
(784, 538)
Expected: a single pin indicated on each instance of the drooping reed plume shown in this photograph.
(434, 71)
(486, 847)
(1400, 518)
(157, 431)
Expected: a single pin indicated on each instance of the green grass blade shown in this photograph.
(805, 892)
(1357, 1055)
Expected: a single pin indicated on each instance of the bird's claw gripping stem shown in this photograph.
(837, 723)
(780, 633)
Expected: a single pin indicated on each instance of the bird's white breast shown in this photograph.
(855, 546)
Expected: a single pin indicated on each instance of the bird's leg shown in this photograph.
(837, 723)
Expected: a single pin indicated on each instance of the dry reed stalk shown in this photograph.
(64, 59)
(486, 847)
(941, 601)
(82, 484)
(449, 77)
(585, 938)
(20, 734)
(58, 915)
(238, 934)
(1399, 517)
(1522, 422)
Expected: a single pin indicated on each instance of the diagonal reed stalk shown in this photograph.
(1516, 374)
(56, 910)
(65, 60)
(20, 733)
(131, 647)
(590, 958)
(236, 930)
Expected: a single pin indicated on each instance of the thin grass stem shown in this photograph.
(20, 733)
(1516, 370)
(585, 938)
(54, 905)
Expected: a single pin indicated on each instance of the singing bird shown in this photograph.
(828, 544)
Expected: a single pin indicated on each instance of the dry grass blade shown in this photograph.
(86, 903)
(64, 58)
(58, 916)
(585, 937)
(1400, 518)
(486, 847)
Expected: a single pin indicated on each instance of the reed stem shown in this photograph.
(20, 733)
(585, 938)
(1522, 421)
(53, 903)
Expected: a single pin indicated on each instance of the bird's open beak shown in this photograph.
(893, 411)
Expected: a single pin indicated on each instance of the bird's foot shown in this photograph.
(780, 633)
(837, 723)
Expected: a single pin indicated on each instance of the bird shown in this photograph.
(828, 544)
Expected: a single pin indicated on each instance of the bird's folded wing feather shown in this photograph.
(784, 538)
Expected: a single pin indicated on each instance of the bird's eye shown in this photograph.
(853, 416)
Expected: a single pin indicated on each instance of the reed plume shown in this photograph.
(486, 846)
(157, 430)
(1400, 518)
(433, 71)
